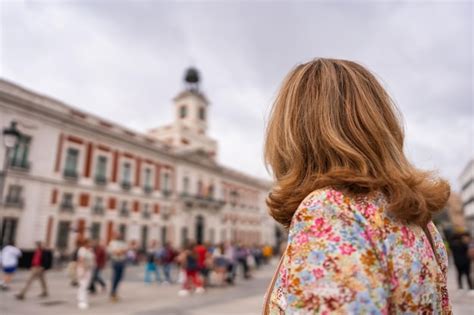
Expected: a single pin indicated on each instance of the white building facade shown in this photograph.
(74, 175)
(466, 181)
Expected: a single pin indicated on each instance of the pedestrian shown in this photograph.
(361, 239)
(41, 262)
(230, 254)
(72, 266)
(9, 261)
(267, 253)
(167, 259)
(191, 267)
(100, 260)
(202, 258)
(242, 259)
(84, 267)
(220, 264)
(151, 264)
(459, 248)
(117, 251)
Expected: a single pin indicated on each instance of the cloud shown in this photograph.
(125, 61)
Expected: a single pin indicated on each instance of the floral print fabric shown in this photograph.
(349, 256)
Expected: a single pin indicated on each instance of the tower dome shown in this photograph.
(191, 79)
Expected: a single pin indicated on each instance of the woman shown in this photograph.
(361, 240)
(220, 264)
(84, 267)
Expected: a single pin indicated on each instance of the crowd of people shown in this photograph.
(194, 267)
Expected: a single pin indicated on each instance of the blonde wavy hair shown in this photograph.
(333, 125)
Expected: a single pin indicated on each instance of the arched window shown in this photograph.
(183, 110)
(202, 113)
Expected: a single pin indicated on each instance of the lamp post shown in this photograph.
(11, 135)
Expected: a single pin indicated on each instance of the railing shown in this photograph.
(209, 202)
(98, 210)
(124, 213)
(148, 189)
(66, 207)
(11, 202)
(100, 180)
(70, 174)
(166, 192)
(126, 185)
(19, 165)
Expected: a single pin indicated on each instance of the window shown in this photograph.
(185, 185)
(210, 191)
(164, 233)
(14, 194)
(72, 158)
(202, 113)
(126, 172)
(184, 236)
(144, 237)
(8, 231)
(66, 203)
(183, 111)
(98, 205)
(95, 231)
(166, 179)
(124, 212)
(146, 211)
(199, 188)
(101, 169)
(62, 238)
(123, 230)
(147, 178)
(126, 176)
(19, 154)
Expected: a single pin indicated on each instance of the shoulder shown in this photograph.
(330, 202)
(334, 206)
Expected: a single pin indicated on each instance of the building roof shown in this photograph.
(52, 108)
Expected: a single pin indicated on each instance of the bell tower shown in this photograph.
(189, 130)
(191, 105)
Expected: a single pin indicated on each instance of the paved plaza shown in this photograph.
(245, 298)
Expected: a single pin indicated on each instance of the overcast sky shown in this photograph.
(125, 61)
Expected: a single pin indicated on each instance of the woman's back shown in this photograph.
(350, 255)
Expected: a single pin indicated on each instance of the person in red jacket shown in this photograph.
(41, 261)
(202, 258)
(100, 260)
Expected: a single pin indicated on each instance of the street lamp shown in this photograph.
(11, 135)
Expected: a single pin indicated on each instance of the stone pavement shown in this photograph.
(245, 298)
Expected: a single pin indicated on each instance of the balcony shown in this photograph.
(100, 180)
(198, 201)
(126, 185)
(14, 202)
(19, 165)
(166, 193)
(70, 174)
(148, 189)
(67, 207)
(124, 213)
(98, 210)
(146, 215)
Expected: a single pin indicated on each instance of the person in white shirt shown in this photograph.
(84, 267)
(9, 261)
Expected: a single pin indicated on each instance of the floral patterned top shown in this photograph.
(347, 255)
